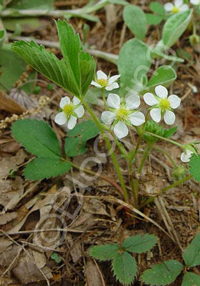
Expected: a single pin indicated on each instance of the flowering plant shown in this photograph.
(124, 112)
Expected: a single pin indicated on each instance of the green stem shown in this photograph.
(163, 138)
(166, 154)
(114, 159)
(164, 190)
(146, 153)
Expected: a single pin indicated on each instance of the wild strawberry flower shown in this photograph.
(188, 150)
(177, 7)
(122, 114)
(106, 82)
(71, 110)
(162, 104)
(195, 2)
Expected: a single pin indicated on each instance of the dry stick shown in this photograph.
(15, 242)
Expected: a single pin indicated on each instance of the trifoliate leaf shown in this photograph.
(135, 20)
(195, 167)
(191, 255)
(124, 267)
(37, 137)
(163, 273)
(104, 252)
(44, 168)
(191, 279)
(139, 243)
(77, 138)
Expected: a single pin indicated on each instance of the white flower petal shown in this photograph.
(185, 156)
(178, 3)
(113, 79)
(112, 86)
(108, 117)
(169, 117)
(96, 84)
(137, 118)
(61, 118)
(76, 101)
(64, 101)
(132, 101)
(79, 111)
(156, 114)
(121, 130)
(184, 7)
(174, 100)
(150, 99)
(168, 7)
(113, 100)
(101, 75)
(195, 2)
(72, 122)
(161, 91)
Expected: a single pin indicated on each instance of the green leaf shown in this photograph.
(47, 64)
(133, 65)
(194, 167)
(37, 137)
(11, 67)
(163, 273)
(191, 279)
(158, 8)
(135, 20)
(175, 27)
(56, 257)
(81, 65)
(2, 36)
(164, 75)
(44, 168)
(157, 129)
(119, 2)
(191, 255)
(104, 252)
(36, 4)
(153, 19)
(124, 267)
(74, 74)
(77, 138)
(139, 243)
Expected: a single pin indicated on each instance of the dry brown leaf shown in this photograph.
(27, 269)
(10, 105)
(93, 274)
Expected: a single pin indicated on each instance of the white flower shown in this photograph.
(122, 113)
(70, 112)
(195, 2)
(178, 6)
(186, 155)
(162, 105)
(103, 81)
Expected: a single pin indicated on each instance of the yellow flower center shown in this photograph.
(102, 82)
(164, 104)
(122, 113)
(68, 109)
(175, 10)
